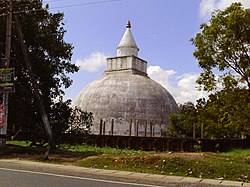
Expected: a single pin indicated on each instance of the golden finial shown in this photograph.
(128, 24)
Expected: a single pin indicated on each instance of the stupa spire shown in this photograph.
(128, 24)
(127, 45)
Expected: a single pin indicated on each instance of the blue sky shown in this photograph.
(161, 28)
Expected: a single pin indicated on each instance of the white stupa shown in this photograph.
(126, 94)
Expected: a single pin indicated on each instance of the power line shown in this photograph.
(27, 3)
(66, 6)
(51, 1)
(84, 4)
(27, 0)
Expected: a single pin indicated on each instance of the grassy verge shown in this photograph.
(234, 165)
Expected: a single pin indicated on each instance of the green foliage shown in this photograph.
(181, 125)
(228, 111)
(224, 115)
(59, 119)
(197, 148)
(79, 125)
(50, 59)
(224, 44)
(70, 123)
(80, 122)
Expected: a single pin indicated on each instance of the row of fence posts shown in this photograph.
(136, 128)
(102, 127)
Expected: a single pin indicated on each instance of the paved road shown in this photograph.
(23, 178)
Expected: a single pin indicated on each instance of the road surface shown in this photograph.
(24, 178)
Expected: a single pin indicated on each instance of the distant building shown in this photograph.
(126, 100)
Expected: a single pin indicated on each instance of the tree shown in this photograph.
(80, 123)
(59, 119)
(224, 44)
(50, 58)
(70, 124)
(182, 124)
(228, 114)
(225, 114)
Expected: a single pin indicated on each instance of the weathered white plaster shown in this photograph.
(126, 63)
(127, 45)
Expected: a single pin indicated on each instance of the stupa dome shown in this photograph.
(126, 94)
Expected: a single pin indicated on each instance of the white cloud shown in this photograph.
(182, 88)
(187, 88)
(92, 63)
(208, 6)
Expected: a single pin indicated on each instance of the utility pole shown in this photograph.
(34, 86)
(3, 130)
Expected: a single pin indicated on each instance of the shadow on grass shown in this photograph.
(38, 153)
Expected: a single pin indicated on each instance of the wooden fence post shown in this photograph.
(145, 130)
(112, 127)
(130, 126)
(151, 129)
(104, 124)
(137, 128)
(100, 133)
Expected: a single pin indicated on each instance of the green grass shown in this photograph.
(80, 149)
(19, 143)
(208, 166)
(234, 165)
(104, 150)
(237, 153)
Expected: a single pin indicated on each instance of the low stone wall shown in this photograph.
(148, 143)
(167, 144)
